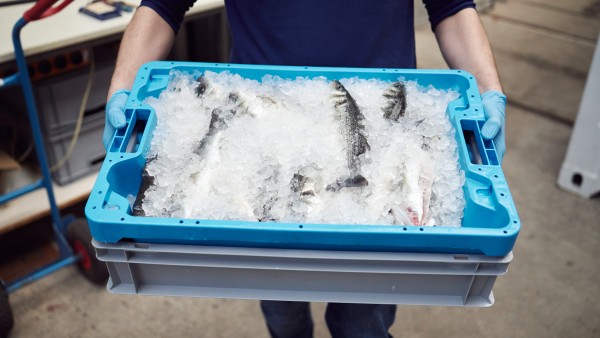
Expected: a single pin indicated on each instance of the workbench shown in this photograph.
(68, 29)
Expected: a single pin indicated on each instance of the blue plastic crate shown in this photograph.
(490, 224)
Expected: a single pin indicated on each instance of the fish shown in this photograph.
(208, 154)
(147, 179)
(235, 104)
(238, 103)
(219, 120)
(231, 104)
(298, 183)
(253, 105)
(147, 182)
(297, 206)
(267, 194)
(352, 129)
(396, 101)
(417, 183)
(216, 123)
(305, 187)
(208, 146)
(302, 197)
(202, 86)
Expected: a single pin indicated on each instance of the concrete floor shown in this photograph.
(543, 50)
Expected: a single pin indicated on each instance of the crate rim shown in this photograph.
(508, 232)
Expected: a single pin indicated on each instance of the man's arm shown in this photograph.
(147, 38)
(465, 45)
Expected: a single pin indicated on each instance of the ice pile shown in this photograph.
(231, 148)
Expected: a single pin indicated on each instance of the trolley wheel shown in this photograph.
(80, 239)
(6, 315)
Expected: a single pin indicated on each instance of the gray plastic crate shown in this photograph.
(59, 99)
(87, 155)
(301, 275)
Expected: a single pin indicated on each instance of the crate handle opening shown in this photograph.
(472, 147)
(136, 136)
(132, 134)
(480, 151)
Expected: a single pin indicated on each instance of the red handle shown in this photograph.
(43, 9)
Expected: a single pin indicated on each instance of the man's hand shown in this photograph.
(465, 45)
(494, 108)
(115, 115)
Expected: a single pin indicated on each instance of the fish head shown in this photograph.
(340, 94)
(396, 90)
(233, 97)
(202, 86)
(337, 85)
(297, 182)
(338, 89)
(398, 86)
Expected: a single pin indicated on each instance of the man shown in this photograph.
(350, 33)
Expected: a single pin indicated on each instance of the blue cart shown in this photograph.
(72, 235)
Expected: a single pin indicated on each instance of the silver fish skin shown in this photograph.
(417, 183)
(267, 195)
(396, 101)
(216, 124)
(147, 182)
(202, 86)
(299, 185)
(305, 186)
(251, 104)
(218, 121)
(221, 116)
(301, 194)
(353, 132)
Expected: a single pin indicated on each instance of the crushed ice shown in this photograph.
(276, 145)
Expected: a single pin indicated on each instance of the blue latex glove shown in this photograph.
(494, 108)
(115, 115)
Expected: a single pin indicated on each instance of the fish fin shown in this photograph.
(413, 216)
(426, 182)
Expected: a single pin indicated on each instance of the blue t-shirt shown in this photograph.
(340, 33)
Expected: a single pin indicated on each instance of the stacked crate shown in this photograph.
(311, 262)
(59, 98)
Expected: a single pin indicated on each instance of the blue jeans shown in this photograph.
(293, 319)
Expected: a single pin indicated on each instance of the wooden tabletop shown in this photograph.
(68, 27)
